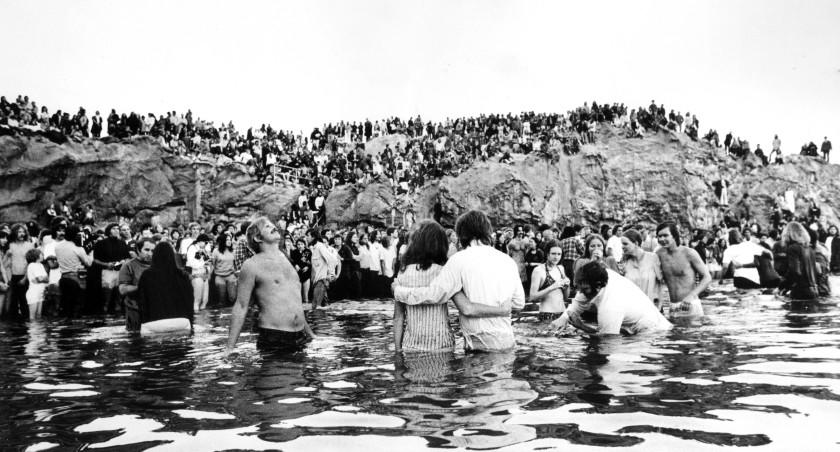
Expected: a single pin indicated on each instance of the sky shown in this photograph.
(756, 68)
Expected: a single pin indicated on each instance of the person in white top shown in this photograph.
(622, 306)
(325, 268)
(38, 279)
(198, 260)
(741, 255)
(387, 259)
(614, 248)
(485, 275)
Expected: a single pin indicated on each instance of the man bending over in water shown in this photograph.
(269, 277)
(622, 306)
(681, 268)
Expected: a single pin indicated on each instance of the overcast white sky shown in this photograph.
(754, 67)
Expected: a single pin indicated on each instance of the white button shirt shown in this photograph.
(487, 276)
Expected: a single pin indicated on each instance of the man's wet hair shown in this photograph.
(473, 225)
(675, 233)
(593, 273)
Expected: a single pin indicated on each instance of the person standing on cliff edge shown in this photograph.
(825, 148)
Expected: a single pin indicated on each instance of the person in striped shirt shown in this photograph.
(423, 327)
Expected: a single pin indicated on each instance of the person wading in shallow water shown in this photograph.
(681, 268)
(486, 275)
(269, 277)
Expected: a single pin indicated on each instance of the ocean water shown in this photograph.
(755, 373)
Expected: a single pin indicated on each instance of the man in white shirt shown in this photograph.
(487, 277)
(622, 306)
(741, 255)
(325, 268)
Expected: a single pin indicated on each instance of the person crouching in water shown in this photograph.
(549, 284)
(164, 294)
(271, 279)
(622, 306)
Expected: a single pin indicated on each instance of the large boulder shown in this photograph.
(124, 178)
(372, 203)
(376, 145)
(664, 176)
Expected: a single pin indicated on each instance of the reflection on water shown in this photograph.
(756, 372)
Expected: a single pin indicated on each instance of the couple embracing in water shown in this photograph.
(482, 282)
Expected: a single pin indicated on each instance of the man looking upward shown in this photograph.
(271, 279)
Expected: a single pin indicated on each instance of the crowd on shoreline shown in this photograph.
(69, 268)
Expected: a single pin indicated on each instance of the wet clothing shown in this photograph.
(801, 276)
(426, 325)
(645, 272)
(622, 307)
(130, 274)
(548, 316)
(281, 342)
(486, 276)
(164, 296)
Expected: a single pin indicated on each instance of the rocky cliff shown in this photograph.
(128, 178)
(663, 176)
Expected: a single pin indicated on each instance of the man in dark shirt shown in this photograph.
(129, 280)
(109, 254)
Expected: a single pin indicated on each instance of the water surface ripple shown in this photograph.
(754, 374)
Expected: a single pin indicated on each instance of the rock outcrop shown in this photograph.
(617, 178)
(665, 176)
(125, 178)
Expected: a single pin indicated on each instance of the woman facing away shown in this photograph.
(549, 284)
(800, 277)
(165, 294)
(425, 327)
(642, 267)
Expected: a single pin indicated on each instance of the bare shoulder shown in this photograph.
(689, 253)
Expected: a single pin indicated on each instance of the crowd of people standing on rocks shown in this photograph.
(334, 154)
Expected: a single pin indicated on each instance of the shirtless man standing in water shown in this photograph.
(681, 267)
(269, 277)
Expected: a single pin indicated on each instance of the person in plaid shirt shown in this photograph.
(241, 251)
(572, 249)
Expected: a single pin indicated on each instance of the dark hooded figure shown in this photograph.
(164, 290)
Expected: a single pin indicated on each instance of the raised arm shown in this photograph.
(247, 280)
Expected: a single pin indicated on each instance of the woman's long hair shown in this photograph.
(427, 245)
(589, 240)
(221, 242)
(794, 232)
(165, 267)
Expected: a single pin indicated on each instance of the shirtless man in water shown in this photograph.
(271, 279)
(681, 267)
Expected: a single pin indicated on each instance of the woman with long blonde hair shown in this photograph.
(800, 279)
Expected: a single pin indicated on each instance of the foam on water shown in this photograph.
(194, 414)
(336, 419)
(58, 387)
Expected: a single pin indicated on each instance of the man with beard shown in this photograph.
(129, 279)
